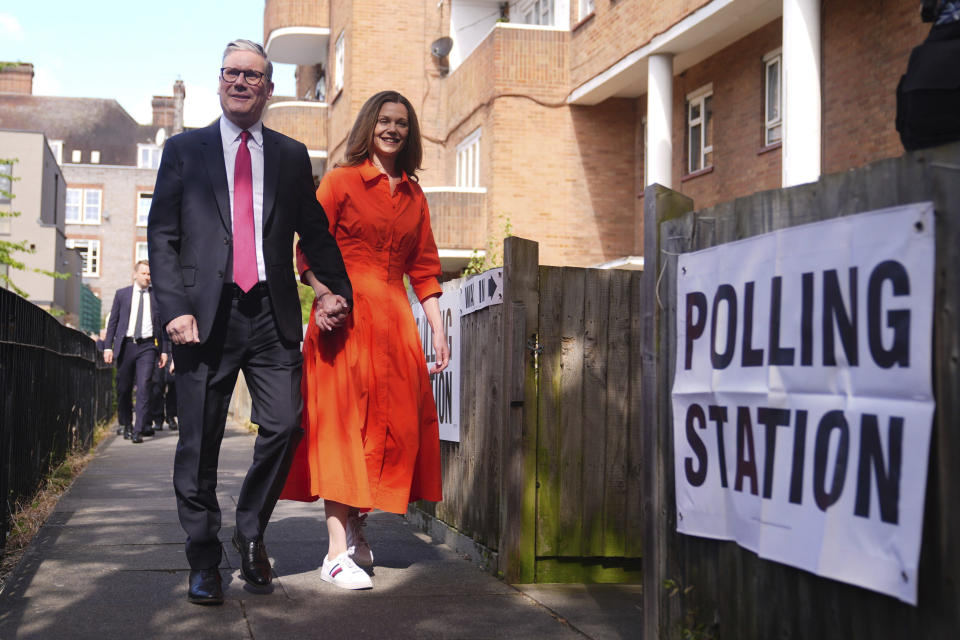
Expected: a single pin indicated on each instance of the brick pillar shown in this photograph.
(163, 109)
(179, 95)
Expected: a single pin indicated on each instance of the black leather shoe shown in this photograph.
(120, 430)
(254, 563)
(148, 431)
(205, 587)
(127, 433)
(172, 424)
(158, 426)
(137, 438)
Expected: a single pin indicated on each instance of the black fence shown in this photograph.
(54, 389)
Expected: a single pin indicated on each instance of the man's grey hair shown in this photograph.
(250, 45)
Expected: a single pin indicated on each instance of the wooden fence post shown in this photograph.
(660, 205)
(518, 452)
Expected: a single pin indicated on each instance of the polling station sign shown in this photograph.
(446, 384)
(802, 400)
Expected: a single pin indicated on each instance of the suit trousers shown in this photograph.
(163, 397)
(135, 366)
(244, 337)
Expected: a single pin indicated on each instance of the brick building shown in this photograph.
(109, 162)
(554, 114)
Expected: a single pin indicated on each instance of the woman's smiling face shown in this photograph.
(391, 130)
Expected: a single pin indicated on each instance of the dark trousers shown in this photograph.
(135, 366)
(244, 337)
(163, 397)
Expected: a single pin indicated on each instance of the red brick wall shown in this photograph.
(739, 167)
(865, 51)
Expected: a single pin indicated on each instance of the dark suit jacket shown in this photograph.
(119, 320)
(190, 232)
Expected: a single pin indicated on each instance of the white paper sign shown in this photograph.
(446, 384)
(481, 291)
(802, 399)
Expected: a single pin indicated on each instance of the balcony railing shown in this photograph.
(297, 31)
(458, 217)
(301, 120)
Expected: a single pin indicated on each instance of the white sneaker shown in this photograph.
(344, 573)
(357, 545)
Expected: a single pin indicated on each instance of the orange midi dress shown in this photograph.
(371, 432)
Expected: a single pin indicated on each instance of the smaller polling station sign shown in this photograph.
(446, 384)
(802, 401)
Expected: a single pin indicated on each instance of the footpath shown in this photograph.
(109, 563)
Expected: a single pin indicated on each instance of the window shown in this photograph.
(141, 252)
(94, 157)
(700, 129)
(90, 252)
(148, 156)
(56, 146)
(586, 8)
(468, 161)
(773, 102)
(339, 62)
(538, 12)
(6, 182)
(76, 155)
(144, 200)
(83, 206)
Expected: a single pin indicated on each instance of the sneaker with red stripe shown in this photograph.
(343, 572)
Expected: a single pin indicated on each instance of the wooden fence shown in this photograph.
(699, 588)
(547, 471)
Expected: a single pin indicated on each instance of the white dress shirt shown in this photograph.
(230, 135)
(147, 330)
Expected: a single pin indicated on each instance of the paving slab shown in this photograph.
(110, 563)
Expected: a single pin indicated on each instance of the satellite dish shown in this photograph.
(441, 47)
(161, 136)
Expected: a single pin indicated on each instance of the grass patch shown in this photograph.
(29, 515)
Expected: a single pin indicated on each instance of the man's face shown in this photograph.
(242, 102)
(142, 276)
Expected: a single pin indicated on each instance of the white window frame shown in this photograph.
(468, 160)
(143, 216)
(775, 123)
(148, 156)
(90, 253)
(698, 98)
(56, 146)
(87, 211)
(340, 61)
(140, 252)
(586, 8)
(94, 157)
(76, 156)
(538, 12)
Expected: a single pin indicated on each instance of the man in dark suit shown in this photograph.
(136, 341)
(227, 202)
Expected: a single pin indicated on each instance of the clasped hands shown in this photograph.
(331, 312)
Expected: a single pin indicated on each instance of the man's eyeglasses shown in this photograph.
(231, 75)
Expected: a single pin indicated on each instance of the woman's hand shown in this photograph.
(442, 351)
(331, 312)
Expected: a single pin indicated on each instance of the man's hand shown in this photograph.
(332, 311)
(163, 361)
(108, 356)
(183, 330)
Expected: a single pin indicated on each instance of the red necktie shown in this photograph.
(244, 243)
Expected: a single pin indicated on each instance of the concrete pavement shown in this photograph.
(109, 563)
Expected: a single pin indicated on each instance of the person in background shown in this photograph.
(372, 435)
(135, 340)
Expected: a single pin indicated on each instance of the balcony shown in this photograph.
(459, 220)
(297, 31)
(302, 120)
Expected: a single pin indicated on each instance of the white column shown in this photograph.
(801, 92)
(659, 152)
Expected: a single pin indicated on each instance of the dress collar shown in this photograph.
(370, 172)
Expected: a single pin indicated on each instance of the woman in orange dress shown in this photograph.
(372, 436)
